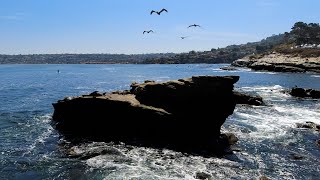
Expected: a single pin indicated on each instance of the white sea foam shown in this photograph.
(316, 76)
(262, 72)
(274, 120)
(148, 163)
(41, 122)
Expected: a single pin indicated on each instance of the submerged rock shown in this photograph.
(184, 114)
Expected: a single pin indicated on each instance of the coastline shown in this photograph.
(278, 62)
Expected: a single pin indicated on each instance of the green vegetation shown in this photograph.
(303, 33)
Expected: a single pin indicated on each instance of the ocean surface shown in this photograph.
(31, 149)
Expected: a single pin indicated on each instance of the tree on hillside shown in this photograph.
(304, 33)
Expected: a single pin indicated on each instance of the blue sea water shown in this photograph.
(31, 149)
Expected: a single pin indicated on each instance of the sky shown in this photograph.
(116, 26)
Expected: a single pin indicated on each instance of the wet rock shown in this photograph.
(228, 68)
(232, 139)
(296, 156)
(202, 175)
(298, 92)
(96, 93)
(262, 66)
(149, 81)
(264, 178)
(288, 69)
(242, 63)
(184, 114)
(242, 98)
(305, 93)
(315, 94)
(309, 125)
(318, 142)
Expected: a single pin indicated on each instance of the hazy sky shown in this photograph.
(116, 26)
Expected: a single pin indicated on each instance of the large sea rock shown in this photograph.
(184, 114)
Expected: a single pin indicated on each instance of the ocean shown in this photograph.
(268, 138)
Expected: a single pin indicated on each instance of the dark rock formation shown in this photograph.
(186, 114)
(264, 178)
(305, 93)
(228, 68)
(275, 67)
(202, 175)
(318, 142)
(309, 125)
(242, 63)
(242, 98)
(295, 156)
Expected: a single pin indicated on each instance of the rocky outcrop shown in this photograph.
(309, 125)
(184, 114)
(228, 68)
(242, 98)
(280, 63)
(305, 93)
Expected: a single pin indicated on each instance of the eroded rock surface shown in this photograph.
(184, 114)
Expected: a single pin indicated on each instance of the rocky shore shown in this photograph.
(280, 63)
(184, 114)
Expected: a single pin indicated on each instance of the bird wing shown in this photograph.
(163, 10)
(144, 32)
(150, 31)
(152, 12)
(190, 26)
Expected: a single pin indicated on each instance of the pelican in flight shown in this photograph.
(194, 25)
(148, 31)
(158, 12)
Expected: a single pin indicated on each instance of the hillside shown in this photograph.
(221, 55)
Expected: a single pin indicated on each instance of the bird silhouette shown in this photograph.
(194, 25)
(147, 31)
(183, 37)
(158, 12)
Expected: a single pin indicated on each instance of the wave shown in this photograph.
(42, 123)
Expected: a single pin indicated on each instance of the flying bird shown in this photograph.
(183, 37)
(194, 25)
(147, 31)
(158, 12)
